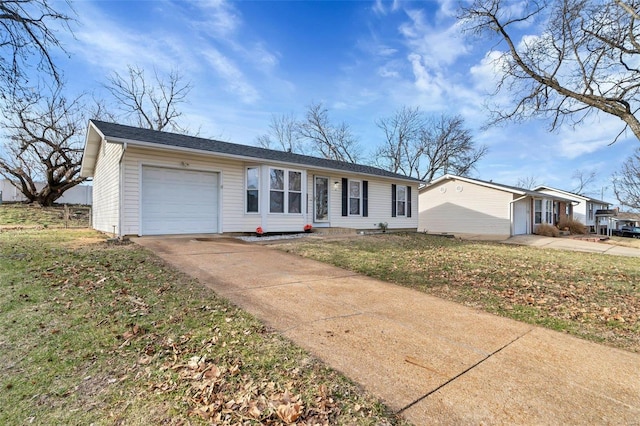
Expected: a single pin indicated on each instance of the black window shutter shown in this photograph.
(365, 198)
(393, 200)
(408, 201)
(345, 197)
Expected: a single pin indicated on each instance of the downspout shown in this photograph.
(121, 189)
(511, 213)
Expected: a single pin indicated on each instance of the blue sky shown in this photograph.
(362, 59)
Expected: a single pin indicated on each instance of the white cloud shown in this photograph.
(235, 80)
(219, 18)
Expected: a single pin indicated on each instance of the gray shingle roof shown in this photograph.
(119, 131)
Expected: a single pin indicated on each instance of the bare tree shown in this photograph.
(447, 148)
(402, 147)
(283, 134)
(150, 105)
(45, 136)
(584, 179)
(528, 182)
(584, 60)
(25, 31)
(328, 140)
(425, 147)
(626, 182)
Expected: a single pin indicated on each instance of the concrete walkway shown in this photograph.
(434, 361)
(573, 245)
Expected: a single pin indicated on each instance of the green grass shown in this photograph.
(95, 333)
(593, 296)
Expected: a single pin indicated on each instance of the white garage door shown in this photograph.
(178, 201)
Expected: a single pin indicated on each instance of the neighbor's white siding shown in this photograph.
(458, 207)
(106, 189)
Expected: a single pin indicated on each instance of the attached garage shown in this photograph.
(176, 201)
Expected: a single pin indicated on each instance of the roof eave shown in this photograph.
(144, 144)
(90, 153)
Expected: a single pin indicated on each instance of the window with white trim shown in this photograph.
(253, 190)
(401, 200)
(549, 211)
(537, 209)
(285, 191)
(590, 211)
(355, 197)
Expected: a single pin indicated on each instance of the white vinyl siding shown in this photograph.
(379, 203)
(460, 207)
(106, 189)
(233, 199)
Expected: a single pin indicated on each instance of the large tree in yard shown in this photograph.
(426, 147)
(43, 134)
(563, 59)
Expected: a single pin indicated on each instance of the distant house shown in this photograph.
(464, 206)
(626, 219)
(79, 194)
(582, 207)
(147, 182)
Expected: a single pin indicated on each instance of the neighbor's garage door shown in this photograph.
(178, 201)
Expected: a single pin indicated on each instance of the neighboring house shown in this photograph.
(147, 182)
(79, 194)
(584, 208)
(626, 219)
(460, 205)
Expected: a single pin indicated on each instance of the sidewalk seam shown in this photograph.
(423, 397)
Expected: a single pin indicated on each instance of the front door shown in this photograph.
(320, 199)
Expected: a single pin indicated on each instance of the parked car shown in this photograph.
(628, 231)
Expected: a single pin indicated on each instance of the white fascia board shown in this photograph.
(92, 143)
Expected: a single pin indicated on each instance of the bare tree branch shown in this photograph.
(328, 140)
(26, 30)
(584, 179)
(583, 60)
(626, 182)
(150, 105)
(283, 134)
(527, 182)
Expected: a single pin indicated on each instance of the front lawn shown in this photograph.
(97, 333)
(593, 296)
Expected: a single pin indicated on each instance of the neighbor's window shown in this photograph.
(537, 209)
(279, 179)
(355, 195)
(401, 200)
(253, 180)
(549, 211)
(590, 211)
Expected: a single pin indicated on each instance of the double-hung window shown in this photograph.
(549, 211)
(355, 197)
(252, 190)
(285, 191)
(401, 200)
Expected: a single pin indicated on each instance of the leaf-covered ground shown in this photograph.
(95, 333)
(592, 296)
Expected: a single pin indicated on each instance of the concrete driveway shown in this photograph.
(573, 245)
(434, 361)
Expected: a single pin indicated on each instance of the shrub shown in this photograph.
(547, 230)
(574, 226)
